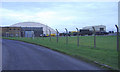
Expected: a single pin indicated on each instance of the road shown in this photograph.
(18, 55)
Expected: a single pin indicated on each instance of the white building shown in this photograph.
(97, 28)
(35, 24)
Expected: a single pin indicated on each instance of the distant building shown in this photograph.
(35, 24)
(30, 31)
(27, 29)
(21, 31)
(11, 31)
(97, 28)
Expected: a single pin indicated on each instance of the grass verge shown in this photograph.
(104, 54)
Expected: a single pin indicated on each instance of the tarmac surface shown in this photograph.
(18, 55)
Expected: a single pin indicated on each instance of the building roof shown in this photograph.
(95, 26)
(28, 24)
(34, 24)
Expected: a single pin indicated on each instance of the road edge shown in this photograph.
(76, 57)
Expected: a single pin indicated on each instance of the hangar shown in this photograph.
(26, 29)
(35, 24)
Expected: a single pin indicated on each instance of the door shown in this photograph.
(29, 33)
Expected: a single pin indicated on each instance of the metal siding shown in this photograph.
(37, 30)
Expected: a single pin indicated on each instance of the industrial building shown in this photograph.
(35, 24)
(26, 29)
(31, 31)
(11, 31)
(21, 31)
(98, 28)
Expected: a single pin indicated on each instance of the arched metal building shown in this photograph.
(35, 24)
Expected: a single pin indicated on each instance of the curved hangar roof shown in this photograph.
(35, 24)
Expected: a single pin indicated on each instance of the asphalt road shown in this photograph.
(18, 55)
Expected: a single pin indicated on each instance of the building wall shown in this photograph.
(37, 31)
(11, 31)
(20, 31)
(46, 30)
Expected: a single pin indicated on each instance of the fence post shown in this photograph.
(66, 36)
(43, 36)
(33, 35)
(57, 35)
(20, 34)
(117, 37)
(27, 35)
(50, 34)
(77, 37)
(94, 37)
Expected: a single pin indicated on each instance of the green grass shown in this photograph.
(104, 53)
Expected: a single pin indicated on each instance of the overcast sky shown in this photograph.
(61, 15)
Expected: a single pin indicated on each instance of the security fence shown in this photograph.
(94, 46)
(67, 39)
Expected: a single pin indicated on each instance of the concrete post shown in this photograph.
(27, 35)
(20, 34)
(43, 36)
(33, 35)
(50, 34)
(57, 35)
(66, 36)
(117, 37)
(94, 37)
(77, 37)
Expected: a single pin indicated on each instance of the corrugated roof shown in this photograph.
(33, 24)
(28, 24)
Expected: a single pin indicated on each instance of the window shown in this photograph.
(14, 29)
(101, 29)
(9, 29)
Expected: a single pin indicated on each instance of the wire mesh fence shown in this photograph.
(77, 38)
(102, 48)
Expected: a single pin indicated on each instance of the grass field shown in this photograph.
(104, 53)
